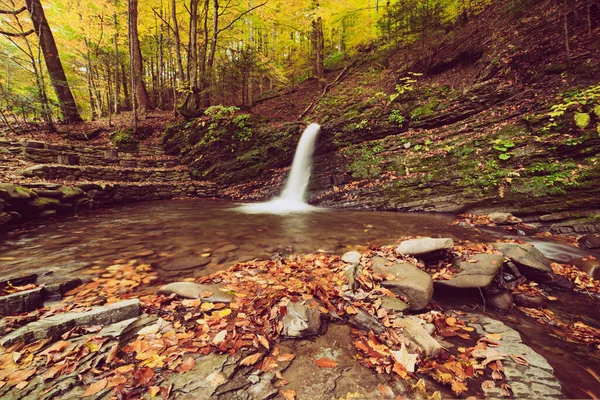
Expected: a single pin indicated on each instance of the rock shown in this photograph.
(412, 283)
(413, 327)
(18, 281)
(4, 218)
(530, 261)
(193, 290)
(525, 300)
(589, 242)
(351, 257)
(561, 283)
(301, 321)
(10, 192)
(43, 203)
(182, 264)
(367, 322)
(56, 291)
(500, 218)
(500, 301)
(227, 248)
(20, 302)
(47, 214)
(590, 266)
(203, 380)
(352, 272)
(15, 216)
(415, 247)
(70, 192)
(475, 274)
(54, 326)
(394, 304)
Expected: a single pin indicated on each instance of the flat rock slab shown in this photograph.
(367, 322)
(410, 281)
(479, 271)
(20, 302)
(193, 290)
(413, 327)
(184, 264)
(301, 321)
(534, 381)
(530, 261)
(417, 247)
(394, 304)
(55, 325)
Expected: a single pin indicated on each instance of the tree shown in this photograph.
(142, 101)
(53, 63)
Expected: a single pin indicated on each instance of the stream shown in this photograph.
(168, 235)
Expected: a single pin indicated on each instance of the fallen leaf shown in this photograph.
(263, 340)
(95, 387)
(385, 391)
(187, 364)
(219, 337)
(286, 357)
(288, 394)
(519, 359)
(153, 390)
(458, 387)
(407, 360)
(494, 336)
(326, 363)
(251, 359)
(115, 381)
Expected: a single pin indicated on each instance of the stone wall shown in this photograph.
(89, 173)
(32, 201)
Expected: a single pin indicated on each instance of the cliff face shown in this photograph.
(496, 117)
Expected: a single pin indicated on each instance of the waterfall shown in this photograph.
(293, 196)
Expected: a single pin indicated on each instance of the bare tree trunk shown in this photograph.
(566, 30)
(116, 61)
(137, 67)
(193, 58)
(318, 44)
(55, 68)
(211, 55)
(177, 40)
(124, 82)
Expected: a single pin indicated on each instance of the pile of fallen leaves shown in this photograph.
(473, 220)
(531, 289)
(583, 282)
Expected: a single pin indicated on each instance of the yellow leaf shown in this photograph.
(207, 307)
(153, 390)
(222, 313)
(288, 394)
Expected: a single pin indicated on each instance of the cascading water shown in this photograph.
(293, 197)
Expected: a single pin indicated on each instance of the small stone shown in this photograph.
(394, 304)
(301, 321)
(193, 290)
(589, 242)
(500, 218)
(411, 282)
(415, 247)
(351, 257)
(367, 322)
(500, 301)
(525, 300)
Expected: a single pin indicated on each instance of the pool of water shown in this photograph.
(168, 234)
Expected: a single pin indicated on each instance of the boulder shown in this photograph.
(70, 192)
(476, 274)
(193, 290)
(40, 204)
(410, 281)
(500, 301)
(54, 326)
(530, 261)
(590, 266)
(301, 321)
(351, 257)
(414, 328)
(589, 242)
(4, 218)
(416, 247)
(500, 218)
(367, 322)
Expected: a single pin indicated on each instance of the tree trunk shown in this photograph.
(177, 40)
(566, 29)
(137, 67)
(193, 60)
(116, 55)
(211, 55)
(55, 68)
(318, 43)
(124, 82)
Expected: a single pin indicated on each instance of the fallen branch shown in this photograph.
(341, 76)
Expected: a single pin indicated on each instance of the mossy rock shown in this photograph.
(70, 192)
(43, 203)
(13, 192)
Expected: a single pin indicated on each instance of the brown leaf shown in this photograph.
(458, 387)
(269, 364)
(263, 340)
(187, 364)
(288, 394)
(326, 363)
(519, 359)
(286, 357)
(112, 354)
(251, 359)
(115, 381)
(144, 375)
(95, 387)
(385, 391)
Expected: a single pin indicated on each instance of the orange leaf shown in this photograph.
(286, 357)
(153, 390)
(288, 394)
(116, 380)
(251, 359)
(385, 390)
(95, 387)
(351, 310)
(263, 340)
(326, 363)
(187, 364)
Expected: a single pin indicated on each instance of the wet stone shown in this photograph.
(416, 247)
(530, 261)
(477, 274)
(193, 290)
(351, 257)
(529, 301)
(367, 322)
(588, 265)
(301, 321)
(20, 302)
(500, 301)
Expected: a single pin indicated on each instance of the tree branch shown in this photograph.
(13, 12)
(239, 17)
(13, 34)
